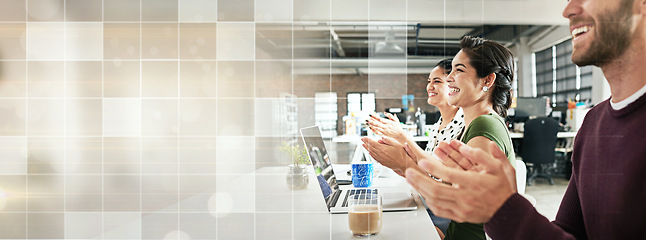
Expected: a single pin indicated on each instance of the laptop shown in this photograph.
(335, 198)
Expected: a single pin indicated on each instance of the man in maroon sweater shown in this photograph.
(606, 196)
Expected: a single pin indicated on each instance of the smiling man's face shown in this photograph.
(601, 30)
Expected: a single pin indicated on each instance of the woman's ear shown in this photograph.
(489, 80)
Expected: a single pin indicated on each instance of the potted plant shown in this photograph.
(297, 177)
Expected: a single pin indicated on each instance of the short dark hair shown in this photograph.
(446, 64)
(489, 57)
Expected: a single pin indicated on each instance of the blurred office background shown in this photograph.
(145, 119)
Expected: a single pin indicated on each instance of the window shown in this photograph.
(558, 78)
(325, 107)
(361, 102)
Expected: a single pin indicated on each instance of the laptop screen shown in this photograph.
(320, 160)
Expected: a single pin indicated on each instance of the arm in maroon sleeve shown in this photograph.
(518, 219)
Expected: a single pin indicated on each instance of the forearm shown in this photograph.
(401, 136)
(410, 164)
(518, 219)
(405, 163)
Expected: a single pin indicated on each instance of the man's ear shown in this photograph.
(640, 7)
(639, 13)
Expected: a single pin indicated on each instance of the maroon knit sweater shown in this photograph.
(606, 197)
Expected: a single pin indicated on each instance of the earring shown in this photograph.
(485, 89)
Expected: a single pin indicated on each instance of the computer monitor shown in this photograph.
(432, 117)
(530, 107)
(559, 113)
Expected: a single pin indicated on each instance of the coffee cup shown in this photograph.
(365, 214)
(362, 174)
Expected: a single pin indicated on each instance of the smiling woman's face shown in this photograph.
(465, 87)
(436, 87)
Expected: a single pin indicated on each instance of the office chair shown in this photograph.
(563, 153)
(539, 142)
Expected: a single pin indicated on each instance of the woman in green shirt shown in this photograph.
(480, 83)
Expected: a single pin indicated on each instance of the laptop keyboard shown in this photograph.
(361, 191)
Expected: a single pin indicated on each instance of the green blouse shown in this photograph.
(492, 127)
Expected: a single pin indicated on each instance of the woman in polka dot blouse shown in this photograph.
(442, 131)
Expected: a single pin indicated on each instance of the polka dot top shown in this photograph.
(451, 131)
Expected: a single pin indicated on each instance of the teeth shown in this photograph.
(580, 30)
(455, 90)
(432, 94)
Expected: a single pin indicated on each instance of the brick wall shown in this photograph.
(388, 89)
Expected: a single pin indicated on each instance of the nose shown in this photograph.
(449, 78)
(572, 9)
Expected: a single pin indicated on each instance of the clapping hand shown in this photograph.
(389, 127)
(390, 153)
(451, 157)
(475, 194)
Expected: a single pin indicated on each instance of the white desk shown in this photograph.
(302, 214)
(558, 135)
(357, 139)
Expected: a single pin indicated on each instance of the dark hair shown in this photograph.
(445, 64)
(488, 57)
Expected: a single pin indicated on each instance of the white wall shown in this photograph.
(600, 87)
(536, 12)
(523, 54)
